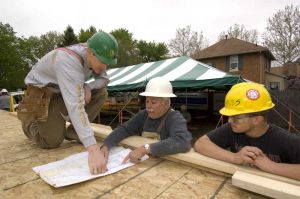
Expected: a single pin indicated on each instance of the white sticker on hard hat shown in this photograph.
(252, 94)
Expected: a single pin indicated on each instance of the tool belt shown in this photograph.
(35, 104)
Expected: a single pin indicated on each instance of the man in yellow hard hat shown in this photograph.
(57, 92)
(249, 137)
(158, 121)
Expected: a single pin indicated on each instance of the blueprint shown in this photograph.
(75, 169)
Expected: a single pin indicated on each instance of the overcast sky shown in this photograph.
(150, 20)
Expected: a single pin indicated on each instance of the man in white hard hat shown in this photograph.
(158, 121)
(4, 100)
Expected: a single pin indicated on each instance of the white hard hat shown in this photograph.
(4, 91)
(158, 87)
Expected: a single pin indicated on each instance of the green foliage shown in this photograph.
(84, 35)
(69, 37)
(49, 42)
(151, 51)
(11, 64)
(128, 53)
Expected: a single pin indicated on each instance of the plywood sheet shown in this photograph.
(150, 184)
(194, 184)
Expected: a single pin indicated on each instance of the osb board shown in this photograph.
(161, 178)
(194, 184)
(152, 183)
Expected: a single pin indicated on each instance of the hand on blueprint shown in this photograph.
(97, 161)
(135, 155)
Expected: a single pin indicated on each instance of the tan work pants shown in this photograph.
(51, 133)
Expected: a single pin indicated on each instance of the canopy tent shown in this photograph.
(183, 72)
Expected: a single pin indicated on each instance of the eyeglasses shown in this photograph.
(240, 118)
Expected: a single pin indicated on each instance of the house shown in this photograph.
(290, 70)
(238, 57)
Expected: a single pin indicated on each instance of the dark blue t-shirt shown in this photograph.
(278, 144)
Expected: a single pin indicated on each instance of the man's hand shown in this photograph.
(97, 160)
(247, 155)
(87, 94)
(264, 163)
(135, 155)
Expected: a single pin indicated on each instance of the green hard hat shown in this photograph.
(105, 47)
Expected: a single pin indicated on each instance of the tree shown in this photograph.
(187, 42)
(240, 32)
(84, 35)
(282, 36)
(69, 37)
(30, 50)
(49, 42)
(128, 52)
(11, 64)
(151, 51)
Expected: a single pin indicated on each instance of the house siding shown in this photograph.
(254, 66)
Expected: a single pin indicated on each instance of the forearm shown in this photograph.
(116, 137)
(287, 170)
(206, 147)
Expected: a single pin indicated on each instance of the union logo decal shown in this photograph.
(252, 94)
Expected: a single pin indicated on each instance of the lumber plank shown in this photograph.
(265, 186)
(193, 158)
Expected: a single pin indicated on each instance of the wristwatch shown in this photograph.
(147, 147)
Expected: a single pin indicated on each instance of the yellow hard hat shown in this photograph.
(246, 97)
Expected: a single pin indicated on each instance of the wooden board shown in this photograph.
(193, 158)
(265, 186)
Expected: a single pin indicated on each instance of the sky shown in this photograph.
(150, 20)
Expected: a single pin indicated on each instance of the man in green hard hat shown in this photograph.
(57, 92)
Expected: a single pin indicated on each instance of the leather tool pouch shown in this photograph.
(35, 104)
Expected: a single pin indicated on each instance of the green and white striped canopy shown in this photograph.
(183, 72)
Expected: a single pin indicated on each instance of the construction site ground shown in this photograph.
(153, 178)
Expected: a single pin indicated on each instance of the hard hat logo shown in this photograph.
(253, 94)
(105, 47)
(111, 54)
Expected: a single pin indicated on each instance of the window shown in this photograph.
(274, 85)
(234, 62)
